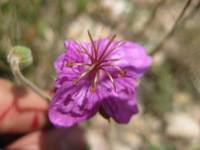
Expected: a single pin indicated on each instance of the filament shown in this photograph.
(122, 72)
(110, 77)
(86, 52)
(84, 74)
(93, 46)
(107, 46)
(114, 48)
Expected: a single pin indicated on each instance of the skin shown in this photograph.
(22, 111)
(56, 139)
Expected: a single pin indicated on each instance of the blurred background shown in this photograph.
(168, 95)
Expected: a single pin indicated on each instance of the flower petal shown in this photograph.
(121, 104)
(72, 104)
(132, 58)
(71, 55)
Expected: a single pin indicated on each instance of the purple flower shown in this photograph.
(98, 76)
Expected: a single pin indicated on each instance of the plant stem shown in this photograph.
(14, 62)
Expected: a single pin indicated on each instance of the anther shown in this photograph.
(93, 88)
(122, 74)
(69, 63)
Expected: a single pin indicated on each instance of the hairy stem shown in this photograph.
(14, 62)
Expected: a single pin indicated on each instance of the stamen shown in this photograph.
(110, 77)
(93, 45)
(69, 63)
(93, 88)
(107, 46)
(85, 51)
(114, 48)
(98, 42)
(122, 72)
(112, 60)
(94, 83)
(84, 74)
(98, 62)
(81, 64)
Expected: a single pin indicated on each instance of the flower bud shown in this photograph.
(22, 54)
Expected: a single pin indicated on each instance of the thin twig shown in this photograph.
(192, 12)
(173, 29)
(151, 19)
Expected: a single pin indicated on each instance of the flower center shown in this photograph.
(98, 62)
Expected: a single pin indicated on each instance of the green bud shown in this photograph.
(22, 54)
